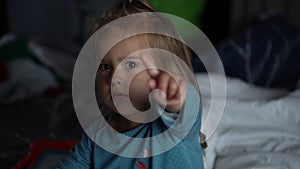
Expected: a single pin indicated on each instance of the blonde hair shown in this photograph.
(128, 7)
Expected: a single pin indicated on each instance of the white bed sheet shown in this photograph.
(259, 129)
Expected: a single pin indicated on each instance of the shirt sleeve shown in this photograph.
(79, 157)
(189, 117)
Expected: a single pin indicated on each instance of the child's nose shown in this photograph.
(117, 79)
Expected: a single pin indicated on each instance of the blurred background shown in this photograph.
(258, 41)
(69, 19)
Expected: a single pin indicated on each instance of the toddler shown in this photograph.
(150, 103)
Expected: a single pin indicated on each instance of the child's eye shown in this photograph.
(104, 66)
(130, 64)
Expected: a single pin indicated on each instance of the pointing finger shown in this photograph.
(148, 61)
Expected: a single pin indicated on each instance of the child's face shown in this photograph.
(114, 74)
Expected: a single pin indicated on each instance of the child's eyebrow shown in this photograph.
(104, 60)
(133, 57)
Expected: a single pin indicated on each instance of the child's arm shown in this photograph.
(173, 87)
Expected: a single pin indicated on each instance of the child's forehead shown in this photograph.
(134, 40)
(127, 47)
(132, 43)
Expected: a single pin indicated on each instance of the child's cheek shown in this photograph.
(104, 93)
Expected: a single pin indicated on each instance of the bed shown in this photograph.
(259, 127)
(260, 124)
(35, 97)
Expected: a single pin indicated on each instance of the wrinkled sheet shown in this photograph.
(259, 129)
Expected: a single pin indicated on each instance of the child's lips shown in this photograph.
(119, 96)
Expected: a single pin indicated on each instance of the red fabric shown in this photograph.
(38, 148)
(141, 165)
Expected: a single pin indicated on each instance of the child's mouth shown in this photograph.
(119, 96)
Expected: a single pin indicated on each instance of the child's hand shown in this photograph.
(172, 86)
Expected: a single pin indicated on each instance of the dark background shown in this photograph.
(62, 27)
(69, 18)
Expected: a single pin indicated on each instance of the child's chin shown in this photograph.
(125, 110)
(127, 113)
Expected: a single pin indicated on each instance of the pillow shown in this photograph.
(266, 54)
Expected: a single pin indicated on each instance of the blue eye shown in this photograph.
(104, 66)
(130, 64)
